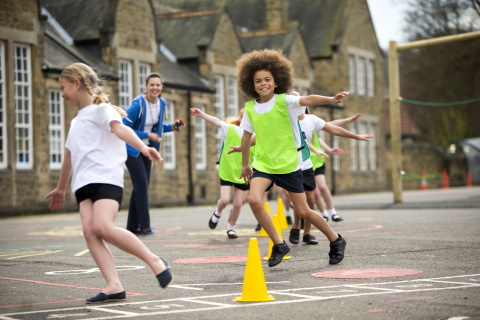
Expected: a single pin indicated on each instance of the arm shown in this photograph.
(199, 113)
(58, 194)
(341, 122)
(126, 134)
(247, 172)
(253, 141)
(132, 119)
(316, 100)
(317, 152)
(339, 131)
(332, 151)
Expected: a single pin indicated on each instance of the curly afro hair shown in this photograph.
(271, 60)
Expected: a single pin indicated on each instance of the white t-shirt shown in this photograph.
(294, 110)
(222, 131)
(309, 124)
(98, 155)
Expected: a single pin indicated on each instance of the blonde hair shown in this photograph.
(91, 82)
(236, 120)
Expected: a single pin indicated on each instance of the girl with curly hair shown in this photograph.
(267, 76)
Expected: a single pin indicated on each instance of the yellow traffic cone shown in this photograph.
(270, 243)
(254, 285)
(263, 233)
(282, 218)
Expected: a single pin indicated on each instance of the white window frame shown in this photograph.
(168, 140)
(351, 74)
(372, 148)
(200, 142)
(143, 72)
(56, 128)
(335, 158)
(125, 83)
(361, 80)
(23, 106)
(362, 147)
(232, 97)
(219, 105)
(3, 111)
(370, 78)
(353, 148)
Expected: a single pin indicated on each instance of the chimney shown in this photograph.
(276, 14)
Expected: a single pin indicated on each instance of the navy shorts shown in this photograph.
(292, 182)
(309, 180)
(241, 186)
(320, 170)
(98, 191)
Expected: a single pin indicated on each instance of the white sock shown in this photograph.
(229, 227)
(332, 212)
(324, 214)
(214, 218)
(288, 213)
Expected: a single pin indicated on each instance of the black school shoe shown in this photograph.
(337, 250)
(294, 237)
(231, 234)
(212, 224)
(278, 252)
(310, 239)
(336, 218)
(102, 297)
(165, 277)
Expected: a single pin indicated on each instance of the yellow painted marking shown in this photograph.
(65, 231)
(81, 253)
(26, 253)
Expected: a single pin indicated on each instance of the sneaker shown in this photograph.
(145, 233)
(258, 227)
(231, 234)
(278, 252)
(289, 220)
(337, 218)
(294, 236)
(337, 250)
(212, 224)
(309, 239)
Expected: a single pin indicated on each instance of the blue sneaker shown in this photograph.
(147, 232)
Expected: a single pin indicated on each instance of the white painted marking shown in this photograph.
(82, 271)
(63, 316)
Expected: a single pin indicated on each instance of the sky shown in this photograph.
(388, 16)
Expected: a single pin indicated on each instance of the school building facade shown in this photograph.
(194, 45)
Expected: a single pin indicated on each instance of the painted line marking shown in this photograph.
(28, 253)
(81, 253)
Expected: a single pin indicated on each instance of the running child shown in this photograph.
(95, 153)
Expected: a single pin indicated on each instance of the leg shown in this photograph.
(237, 206)
(327, 197)
(221, 204)
(139, 198)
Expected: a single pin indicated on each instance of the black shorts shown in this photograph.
(98, 191)
(309, 180)
(241, 186)
(292, 182)
(320, 170)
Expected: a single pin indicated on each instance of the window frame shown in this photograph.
(168, 140)
(125, 85)
(56, 129)
(232, 98)
(200, 141)
(143, 72)
(3, 110)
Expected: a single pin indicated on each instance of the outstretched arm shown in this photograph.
(199, 113)
(317, 152)
(329, 150)
(247, 172)
(316, 100)
(341, 122)
(128, 135)
(339, 131)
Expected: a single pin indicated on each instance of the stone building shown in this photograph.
(194, 44)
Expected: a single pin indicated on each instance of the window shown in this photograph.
(335, 159)
(361, 85)
(23, 107)
(353, 148)
(372, 148)
(55, 128)
(351, 73)
(200, 142)
(125, 83)
(143, 72)
(232, 97)
(219, 105)
(362, 147)
(370, 78)
(168, 140)
(3, 121)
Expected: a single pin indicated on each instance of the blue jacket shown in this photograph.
(135, 119)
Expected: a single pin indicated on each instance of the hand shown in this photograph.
(154, 137)
(365, 137)
(246, 174)
(178, 125)
(321, 154)
(337, 152)
(195, 112)
(355, 117)
(152, 153)
(234, 149)
(58, 199)
(339, 96)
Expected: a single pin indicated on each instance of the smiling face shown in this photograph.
(69, 91)
(154, 88)
(264, 85)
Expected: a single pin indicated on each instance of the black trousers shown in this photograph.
(138, 211)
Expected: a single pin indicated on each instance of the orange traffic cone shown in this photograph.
(469, 179)
(445, 183)
(424, 182)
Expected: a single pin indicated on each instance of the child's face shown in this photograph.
(154, 88)
(69, 92)
(264, 84)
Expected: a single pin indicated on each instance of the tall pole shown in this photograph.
(395, 132)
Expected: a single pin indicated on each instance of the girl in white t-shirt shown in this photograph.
(95, 153)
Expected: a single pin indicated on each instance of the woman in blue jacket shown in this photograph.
(145, 116)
